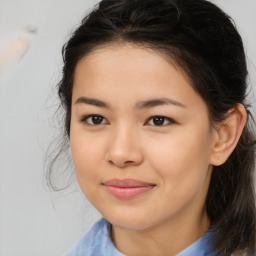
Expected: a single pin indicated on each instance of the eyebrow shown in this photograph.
(94, 102)
(158, 102)
(139, 105)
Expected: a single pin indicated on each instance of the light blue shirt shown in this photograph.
(97, 242)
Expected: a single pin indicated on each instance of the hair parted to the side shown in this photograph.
(203, 42)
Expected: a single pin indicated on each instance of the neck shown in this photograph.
(168, 238)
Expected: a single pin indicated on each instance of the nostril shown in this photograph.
(121, 163)
(123, 158)
(128, 162)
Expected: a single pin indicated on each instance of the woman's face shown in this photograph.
(140, 138)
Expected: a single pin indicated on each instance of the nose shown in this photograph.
(124, 148)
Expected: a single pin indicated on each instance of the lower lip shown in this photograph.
(127, 192)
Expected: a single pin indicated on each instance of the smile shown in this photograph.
(128, 188)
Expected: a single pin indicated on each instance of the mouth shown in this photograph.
(127, 188)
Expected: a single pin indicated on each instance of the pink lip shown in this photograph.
(127, 188)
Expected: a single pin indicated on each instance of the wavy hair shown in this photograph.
(202, 41)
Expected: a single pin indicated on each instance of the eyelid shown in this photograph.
(170, 121)
(86, 117)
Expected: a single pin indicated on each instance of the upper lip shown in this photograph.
(127, 183)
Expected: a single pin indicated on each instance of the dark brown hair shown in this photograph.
(203, 41)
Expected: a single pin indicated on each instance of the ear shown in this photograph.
(227, 134)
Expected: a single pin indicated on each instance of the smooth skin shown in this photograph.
(117, 132)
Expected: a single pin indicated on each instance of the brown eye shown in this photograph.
(94, 120)
(160, 121)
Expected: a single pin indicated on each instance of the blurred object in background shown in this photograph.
(14, 50)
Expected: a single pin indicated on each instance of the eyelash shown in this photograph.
(85, 120)
(169, 120)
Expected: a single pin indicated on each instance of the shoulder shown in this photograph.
(96, 242)
(204, 246)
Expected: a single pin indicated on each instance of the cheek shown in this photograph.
(183, 158)
(87, 154)
(182, 165)
(86, 158)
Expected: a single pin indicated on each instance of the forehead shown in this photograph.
(131, 70)
(120, 56)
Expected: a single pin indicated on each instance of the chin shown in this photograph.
(128, 221)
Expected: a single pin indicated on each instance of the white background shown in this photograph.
(34, 221)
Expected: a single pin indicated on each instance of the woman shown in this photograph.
(154, 94)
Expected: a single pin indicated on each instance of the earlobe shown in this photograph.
(227, 135)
